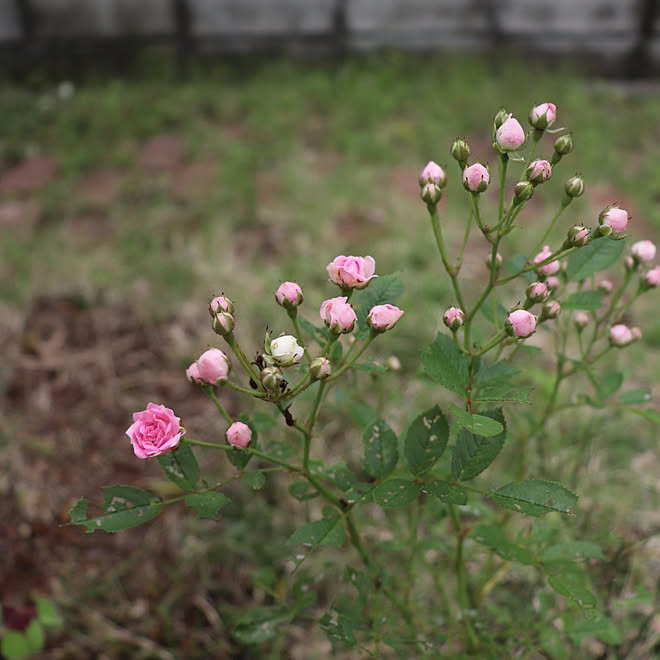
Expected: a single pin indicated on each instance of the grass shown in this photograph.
(311, 161)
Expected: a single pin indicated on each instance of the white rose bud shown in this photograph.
(286, 351)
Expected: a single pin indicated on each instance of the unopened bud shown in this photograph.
(320, 368)
(563, 145)
(520, 323)
(453, 318)
(650, 279)
(223, 324)
(523, 190)
(578, 236)
(431, 193)
(221, 304)
(552, 282)
(393, 363)
(272, 378)
(543, 116)
(614, 217)
(629, 263)
(537, 292)
(643, 251)
(621, 335)
(433, 173)
(538, 171)
(289, 295)
(550, 310)
(498, 261)
(580, 320)
(476, 178)
(605, 286)
(574, 186)
(460, 150)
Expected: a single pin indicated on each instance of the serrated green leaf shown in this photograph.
(426, 440)
(381, 291)
(319, 335)
(123, 507)
(494, 537)
(207, 504)
(572, 581)
(473, 453)
(264, 578)
(552, 642)
(47, 613)
(445, 492)
(396, 492)
(598, 626)
(181, 466)
(535, 497)
(381, 452)
(260, 624)
(370, 367)
(600, 254)
(587, 300)
(608, 384)
(572, 551)
(254, 480)
(34, 634)
(447, 365)
(14, 646)
(327, 531)
(476, 424)
(650, 414)
(342, 477)
(635, 396)
(640, 599)
(303, 490)
(495, 383)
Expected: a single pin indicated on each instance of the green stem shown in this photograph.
(293, 315)
(209, 391)
(468, 226)
(565, 202)
(348, 365)
(560, 254)
(501, 335)
(252, 373)
(474, 203)
(245, 390)
(503, 164)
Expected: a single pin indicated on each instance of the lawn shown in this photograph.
(127, 204)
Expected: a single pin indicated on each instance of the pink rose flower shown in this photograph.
(538, 171)
(476, 178)
(510, 135)
(615, 218)
(239, 435)
(338, 315)
(521, 323)
(213, 366)
(383, 317)
(550, 310)
(154, 431)
(289, 295)
(652, 278)
(320, 368)
(433, 173)
(621, 335)
(352, 272)
(643, 251)
(223, 323)
(543, 116)
(537, 292)
(453, 318)
(552, 282)
(548, 269)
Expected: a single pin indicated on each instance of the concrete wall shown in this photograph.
(607, 27)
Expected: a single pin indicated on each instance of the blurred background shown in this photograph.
(156, 153)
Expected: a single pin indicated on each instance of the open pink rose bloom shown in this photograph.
(352, 272)
(154, 431)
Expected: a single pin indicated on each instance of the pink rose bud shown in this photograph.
(636, 333)
(393, 363)
(629, 263)
(578, 236)
(383, 317)
(223, 324)
(285, 350)
(543, 116)
(520, 323)
(550, 310)
(433, 173)
(453, 318)
(460, 151)
(320, 368)
(476, 178)
(239, 435)
(651, 279)
(537, 292)
(510, 135)
(574, 187)
(431, 193)
(338, 315)
(548, 269)
(352, 272)
(643, 251)
(552, 282)
(522, 191)
(621, 335)
(192, 373)
(221, 304)
(581, 321)
(271, 378)
(289, 295)
(615, 218)
(214, 366)
(154, 431)
(538, 171)
(605, 286)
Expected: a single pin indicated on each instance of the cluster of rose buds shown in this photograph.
(157, 430)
